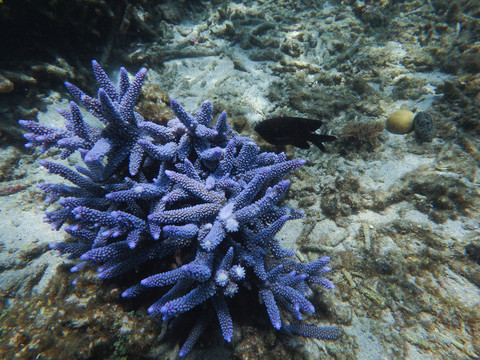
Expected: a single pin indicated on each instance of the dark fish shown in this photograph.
(294, 131)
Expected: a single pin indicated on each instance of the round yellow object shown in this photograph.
(400, 122)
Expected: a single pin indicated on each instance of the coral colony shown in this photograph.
(190, 194)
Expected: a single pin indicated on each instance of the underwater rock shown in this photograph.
(360, 135)
(291, 47)
(400, 122)
(371, 15)
(473, 252)
(6, 86)
(423, 127)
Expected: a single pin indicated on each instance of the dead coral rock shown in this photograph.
(342, 197)
(462, 102)
(6, 86)
(423, 127)
(440, 196)
(257, 345)
(357, 136)
(473, 251)
(291, 47)
(240, 124)
(372, 15)
(9, 166)
(328, 233)
(79, 328)
(59, 69)
(154, 104)
(409, 88)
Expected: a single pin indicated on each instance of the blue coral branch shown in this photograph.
(194, 199)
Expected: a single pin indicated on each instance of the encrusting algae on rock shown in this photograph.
(423, 127)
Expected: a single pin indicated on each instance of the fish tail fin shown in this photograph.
(319, 139)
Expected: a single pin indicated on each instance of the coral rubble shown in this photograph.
(193, 206)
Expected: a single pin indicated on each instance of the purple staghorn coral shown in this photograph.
(191, 191)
